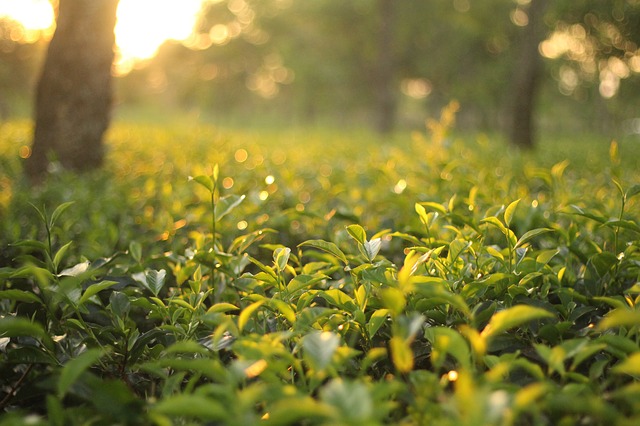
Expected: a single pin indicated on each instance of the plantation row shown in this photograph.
(302, 278)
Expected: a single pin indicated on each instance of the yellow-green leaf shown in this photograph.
(630, 366)
(375, 322)
(222, 307)
(326, 246)
(513, 317)
(510, 210)
(358, 233)
(247, 312)
(620, 317)
(401, 354)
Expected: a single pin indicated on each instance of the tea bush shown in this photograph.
(212, 277)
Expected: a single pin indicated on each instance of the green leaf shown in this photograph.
(192, 406)
(215, 172)
(603, 262)
(554, 357)
(545, 256)
(20, 296)
(620, 318)
(55, 411)
(95, 289)
(510, 210)
(353, 400)
(494, 253)
(557, 170)
(513, 317)
(30, 355)
(152, 280)
(358, 233)
(393, 299)
(319, 348)
(371, 248)
(376, 320)
(33, 244)
(339, 299)
(326, 246)
(120, 304)
(492, 220)
(60, 255)
(41, 213)
(226, 204)
(407, 237)
(447, 341)
(630, 366)
(626, 224)
(75, 367)
(614, 302)
(422, 213)
(76, 270)
(589, 350)
(618, 344)
(401, 354)
(17, 326)
(633, 191)
(204, 181)
(247, 312)
(456, 248)
(135, 250)
(434, 206)
(530, 234)
(58, 211)
(618, 185)
(302, 281)
(281, 257)
(222, 307)
(592, 216)
(186, 347)
(296, 410)
(284, 308)
(433, 289)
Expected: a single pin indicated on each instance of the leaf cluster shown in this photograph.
(441, 288)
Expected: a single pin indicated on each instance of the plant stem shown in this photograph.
(15, 387)
(213, 217)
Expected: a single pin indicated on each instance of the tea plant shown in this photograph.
(428, 282)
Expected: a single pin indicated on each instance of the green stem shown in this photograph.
(213, 216)
(617, 230)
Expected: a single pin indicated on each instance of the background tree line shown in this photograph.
(389, 63)
(514, 65)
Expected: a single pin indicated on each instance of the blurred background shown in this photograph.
(382, 64)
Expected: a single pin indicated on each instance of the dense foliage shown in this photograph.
(422, 280)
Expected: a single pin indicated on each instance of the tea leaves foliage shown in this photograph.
(309, 278)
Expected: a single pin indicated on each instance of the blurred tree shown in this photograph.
(385, 67)
(73, 95)
(527, 74)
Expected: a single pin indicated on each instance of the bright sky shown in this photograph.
(143, 25)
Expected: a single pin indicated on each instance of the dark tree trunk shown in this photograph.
(74, 94)
(385, 69)
(526, 79)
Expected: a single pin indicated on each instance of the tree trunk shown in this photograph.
(526, 78)
(385, 69)
(74, 94)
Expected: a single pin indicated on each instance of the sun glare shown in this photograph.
(142, 26)
(32, 14)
